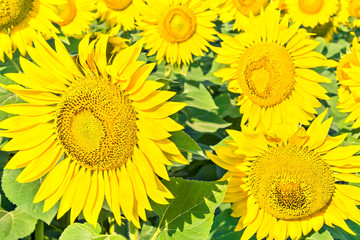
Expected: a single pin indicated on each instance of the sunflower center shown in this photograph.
(66, 12)
(96, 124)
(178, 25)
(354, 8)
(118, 5)
(13, 11)
(266, 74)
(311, 6)
(290, 182)
(247, 6)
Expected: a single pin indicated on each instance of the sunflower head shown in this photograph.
(109, 124)
(240, 10)
(286, 182)
(311, 13)
(270, 66)
(176, 30)
(13, 11)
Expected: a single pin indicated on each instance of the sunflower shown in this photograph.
(96, 130)
(354, 11)
(119, 12)
(269, 67)
(176, 29)
(19, 22)
(342, 17)
(76, 16)
(288, 182)
(348, 75)
(239, 10)
(311, 13)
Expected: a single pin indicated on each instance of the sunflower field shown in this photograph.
(179, 119)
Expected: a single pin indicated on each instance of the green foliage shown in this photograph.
(86, 232)
(189, 217)
(16, 224)
(22, 194)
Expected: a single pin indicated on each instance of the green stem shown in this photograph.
(133, 231)
(156, 234)
(39, 230)
(15, 64)
(127, 35)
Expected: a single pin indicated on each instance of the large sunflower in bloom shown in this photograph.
(76, 16)
(290, 181)
(119, 12)
(348, 75)
(239, 10)
(176, 30)
(270, 67)
(19, 22)
(312, 12)
(109, 124)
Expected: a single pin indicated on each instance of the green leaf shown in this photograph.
(196, 95)
(147, 231)
(339, 233)
(6, 222)
(86, 231)
(185, 143)
(190, 214)
(204, 121)
(22, 194)
(321, 235)
(223, 227)
(16, 224)
(225, 106)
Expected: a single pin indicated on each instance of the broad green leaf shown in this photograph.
(339, 233)
(225, 106)
(6, 222)
(196, 95)
(204, 121)
(185, 143)
(86, 231)
(80, 231)
(190, 214)
(147, 231)
(321, 235)
(16, 224)
(223, 227)
(22, 194)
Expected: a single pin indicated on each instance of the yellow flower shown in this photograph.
(108, 123)
(312, 12)
(354, 11)
(289, 182)
(348, 75)
(239, 10)
(76, 16)
(119, 12)
(177, 29)
(19, 22)
(269, 67)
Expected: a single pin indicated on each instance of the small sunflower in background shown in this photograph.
(348, 75)
(354, 11)
(239, 10)
(289, 182)
(119, 12)
(270, 66)
(177, 29)
(97, 130)
(76, 16)
(312, 12)
(19, 22)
